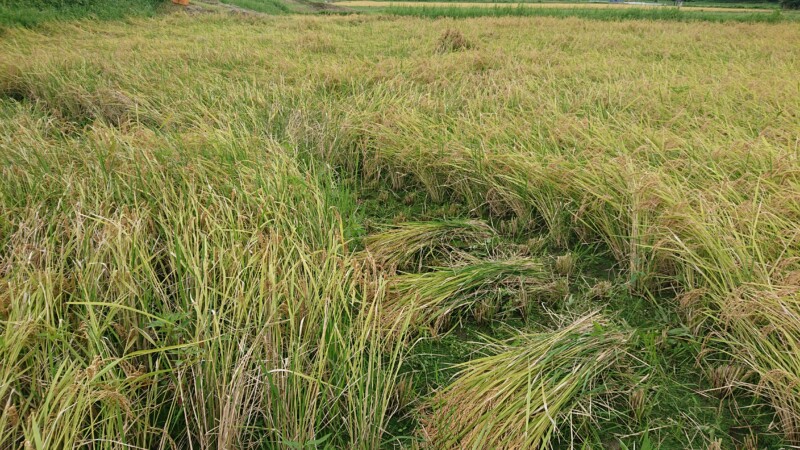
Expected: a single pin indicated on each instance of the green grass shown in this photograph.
(262, 6)
(33, 13)
(733, 4)
(689, 3)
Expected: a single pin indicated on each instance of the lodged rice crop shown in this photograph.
(183, 291)
(516, 397)
(181, 232)
(415, 242)
(430, 298)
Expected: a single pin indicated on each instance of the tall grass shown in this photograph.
(701, 237)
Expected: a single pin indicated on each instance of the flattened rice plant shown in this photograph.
(517, 397)
(432, 297)
(415, 242)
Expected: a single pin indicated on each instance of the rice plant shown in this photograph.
(413, 243)
(172, 307)
(176, 262)
(431, 298)
(518, 396)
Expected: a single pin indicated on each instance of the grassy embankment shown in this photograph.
(31, 13)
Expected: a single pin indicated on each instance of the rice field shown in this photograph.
(642, 5)
(374, 231)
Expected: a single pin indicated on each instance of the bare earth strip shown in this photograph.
(372, 3)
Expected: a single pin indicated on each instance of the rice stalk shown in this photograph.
(413, 243)
(431, 298)
(519, 396)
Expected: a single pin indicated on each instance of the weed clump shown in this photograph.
(452, 40)
(565, 264)
(600, 290)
